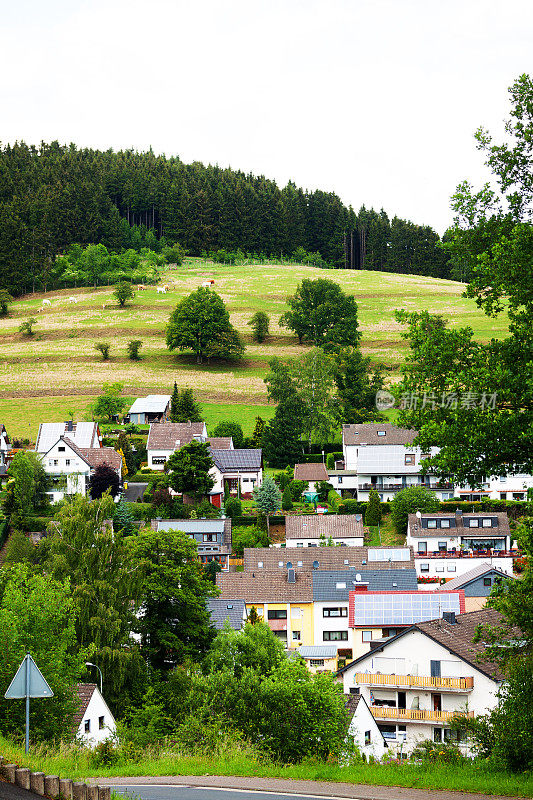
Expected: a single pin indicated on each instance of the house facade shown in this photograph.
(94, 722)
(384, 458)
(449, 544)
(499, 487)
(319, 658)
(363, 727)
(165, 438)
(310, 474)
(213, 537)
(477, 585)
(238, 472)
(416, 682)
(310, 530)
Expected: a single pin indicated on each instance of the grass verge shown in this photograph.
(473, 776)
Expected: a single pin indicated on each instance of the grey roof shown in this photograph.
(325, 582)
(173, 435)
(330, 558)
(317, 651)
(477, 572)
(232, 610)
(83, 434)
(367, 434)
(237, 460)
(459, 525)
(153, 404)
(312, 526)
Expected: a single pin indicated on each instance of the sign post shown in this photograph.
(28, 682)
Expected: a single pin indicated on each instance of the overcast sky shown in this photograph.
(376, 100)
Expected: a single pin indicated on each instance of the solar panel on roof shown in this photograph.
(402, 609)
(389, 554)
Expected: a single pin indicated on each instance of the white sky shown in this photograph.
(376, 100)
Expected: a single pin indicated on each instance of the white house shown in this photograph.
(416, 682)
(308, 530)
(94, 722)
(384, 458)
(5, 446)
(164, 438)
(499, 487)
(310, 474)
(477, 585)
(238, 471)
(447, 544)
(82, 434)
(329, 558)
(154, 408)
(363, 727)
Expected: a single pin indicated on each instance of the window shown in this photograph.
(87, 726)
(280, 563)
(335, 636)
(437, 734)
(355, 690)
(382, 433)
(366, 636)
(259, 612)
(312, 544)
(473, 523)
(422, 547)
(210, 537)
(424, 567)
(368, 737)
(296, 636)
(299, 544)
(299, 563)
(388, 731)
(389, 632)
(67, 462)
(260, 564)
(445, 523)
(439, 569)
(316, 662)
(61, 449)
(425, 455)
(336, 611)
(442, 546)
(432, 523)
(409, 459)
(487, 522)
(339, 478)
(487, 582)
(101, 724)
(503, 478)
(278, 614)
(340, 585)
(452, 568)
(55, 462)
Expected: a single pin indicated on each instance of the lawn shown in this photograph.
(60, 358)
(385, 534)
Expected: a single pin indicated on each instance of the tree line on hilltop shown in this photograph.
(53, 196)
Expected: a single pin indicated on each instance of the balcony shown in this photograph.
(470, 554)
(414, 682)
(397, 487)
(416, 714)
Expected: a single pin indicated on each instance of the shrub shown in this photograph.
(334, 500)
(26, 328)
(103, 348)
(249, 536)
(286, 499)
(283, 478)
(296, 489)
(133, 348)
(233, 507)
(407, 501)
(331, 458)
(323, 488)
(350, 507)
(373, 509)
(260, 324)
(123, 292)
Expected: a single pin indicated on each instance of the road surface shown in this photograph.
(199, 793)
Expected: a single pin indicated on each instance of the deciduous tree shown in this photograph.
(322, 314)
(188, 470)
(123, 292)
(200, 322)
(409, 501)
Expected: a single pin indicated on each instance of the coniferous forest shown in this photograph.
(53, 196)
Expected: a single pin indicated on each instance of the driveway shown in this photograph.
(135, 491)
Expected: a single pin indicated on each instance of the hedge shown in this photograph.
(4, 530)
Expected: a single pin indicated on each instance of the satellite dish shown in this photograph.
(289, 564)
(419, 515)
(358, 577)
(316, 564)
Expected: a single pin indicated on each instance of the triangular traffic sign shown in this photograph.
(36, 686)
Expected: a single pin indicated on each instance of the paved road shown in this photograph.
(204, 793)
(10, 792)
(135, 491)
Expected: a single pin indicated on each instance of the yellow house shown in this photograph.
(283, 600)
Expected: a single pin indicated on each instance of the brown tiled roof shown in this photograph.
(96, 456)
(173, 435)
(312, 526)
(417, 530)
(367, 433)
(220, 442)
(458, 638)
(310, 472)
(328, 558)
(85, 692)
(266, 587)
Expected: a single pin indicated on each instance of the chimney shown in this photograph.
(189, 423)
(449, 616)
(360, 587)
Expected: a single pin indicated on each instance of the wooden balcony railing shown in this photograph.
(470, 554)
(415, 681)
(417, 714)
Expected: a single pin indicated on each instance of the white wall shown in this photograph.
(411, 655)
(452, 567)
(97, 708)
(322, 623)
(354, 541)
(363, 721)
(69, 464)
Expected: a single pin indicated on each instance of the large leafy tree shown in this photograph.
(232, 429)
(322, 314)
(174, 621)
(105, 582)
(475, 400)
(189, 468)
(109, 402)
(357, 384)
(37, 616)
(409, 501)
(200, 322)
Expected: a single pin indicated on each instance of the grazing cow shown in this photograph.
(166, 287)
(206, 285)
(141, 287)
(73, 299)
(161, 290)
(47, 303)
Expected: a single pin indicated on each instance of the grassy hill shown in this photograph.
(60, 367)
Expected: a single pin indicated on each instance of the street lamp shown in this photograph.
(90, 664)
